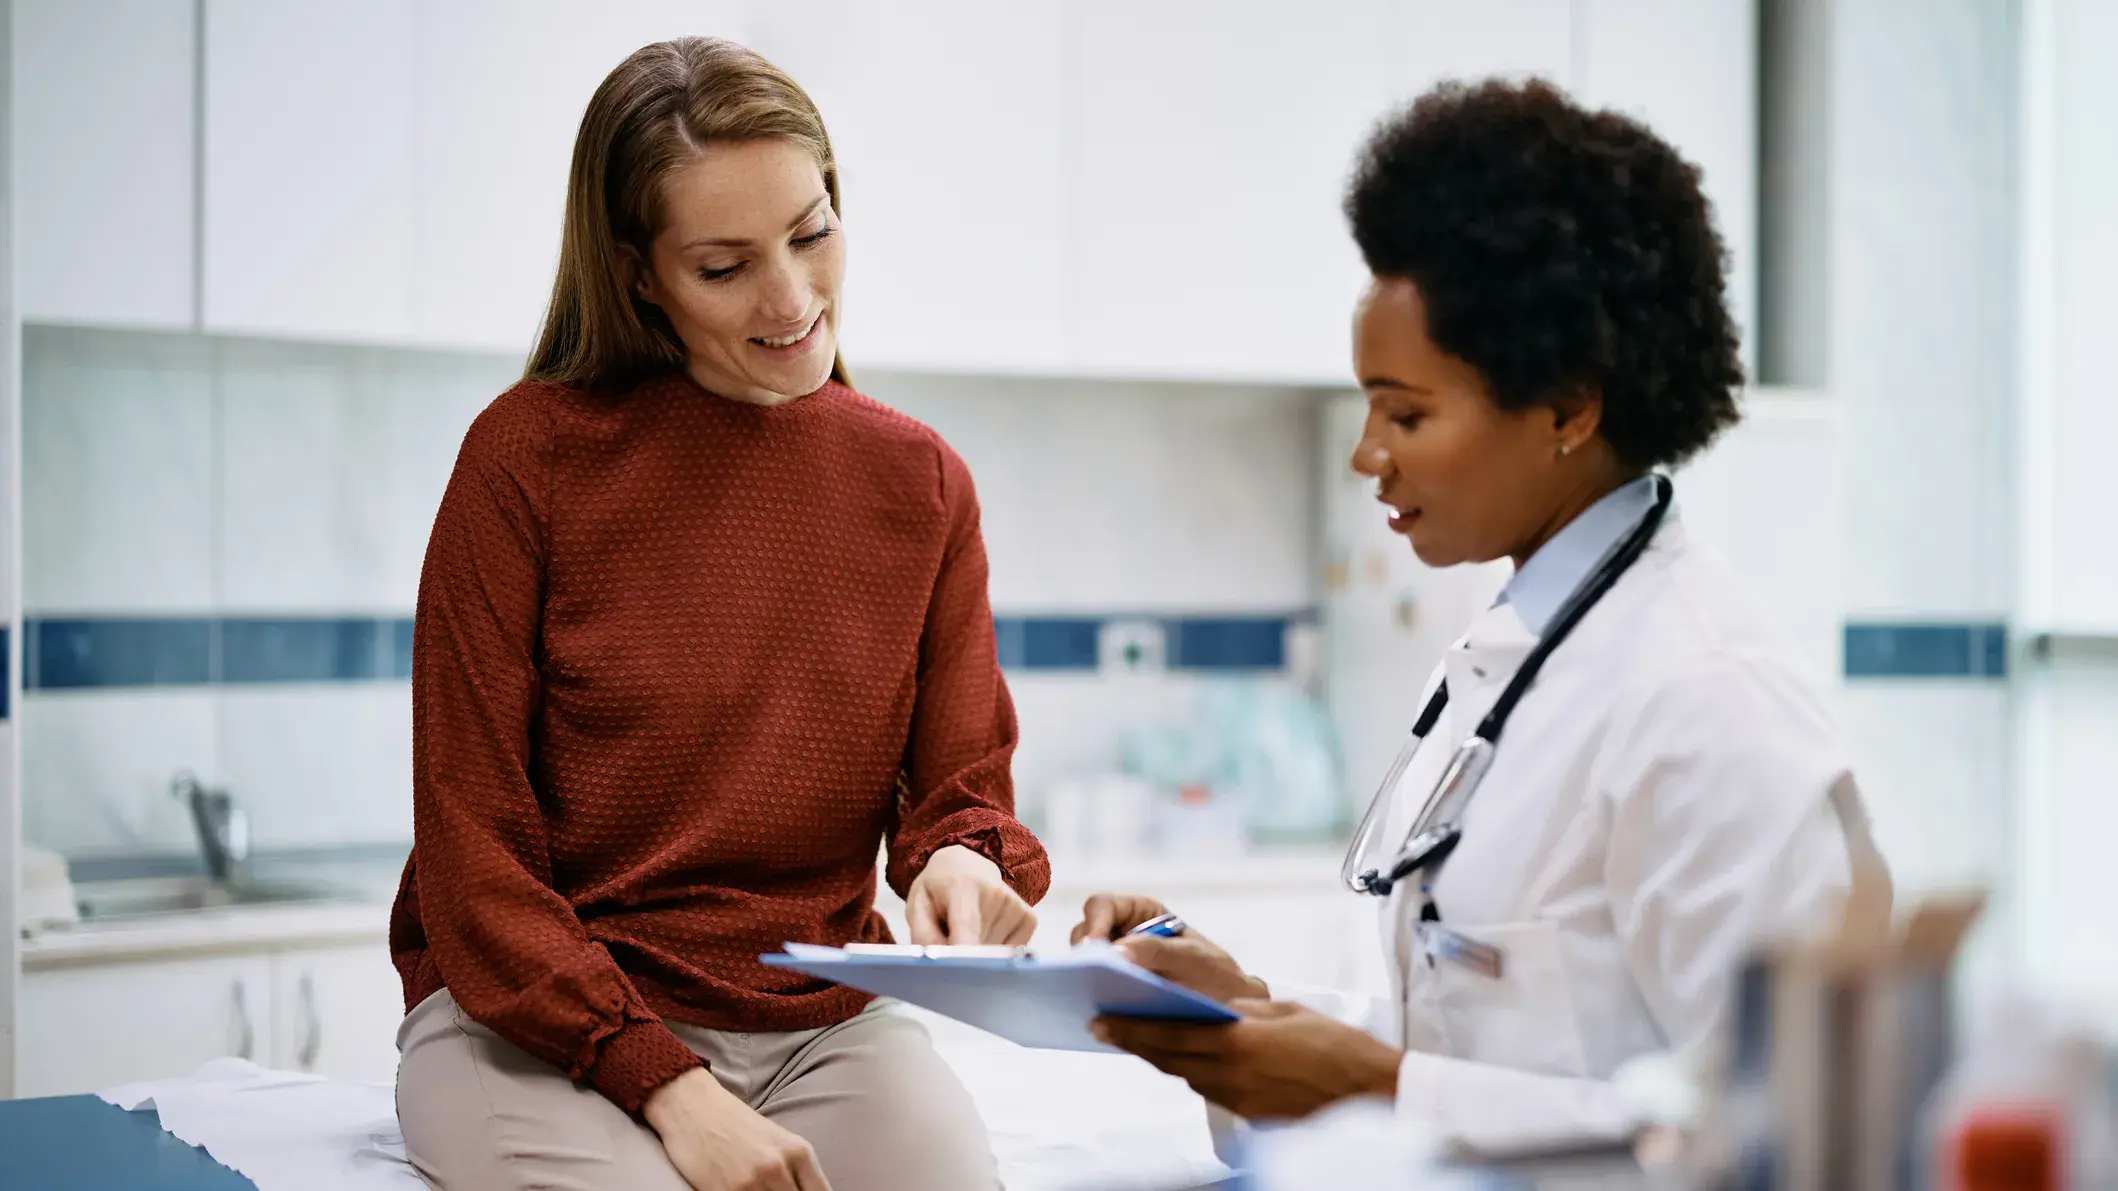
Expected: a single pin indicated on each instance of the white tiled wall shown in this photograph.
(118, 472)
(96, 766)
(332, 463)
(183, 475)
(1108, 495)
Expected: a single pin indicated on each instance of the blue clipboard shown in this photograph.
(1045, 1002)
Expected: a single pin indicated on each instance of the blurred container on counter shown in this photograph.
(1106, 814)
(1280, 760)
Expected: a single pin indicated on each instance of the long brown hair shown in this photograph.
(648, 117)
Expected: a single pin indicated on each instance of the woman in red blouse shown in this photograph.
(699, 629)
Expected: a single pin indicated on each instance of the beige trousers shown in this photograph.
(882, 1109)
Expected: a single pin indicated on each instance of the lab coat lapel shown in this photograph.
(1482, 663)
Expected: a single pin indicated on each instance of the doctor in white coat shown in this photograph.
(1546, 329)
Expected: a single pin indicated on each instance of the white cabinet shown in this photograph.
(948, 120)
(501, 86)
(103, 161)
(332, 1009)
(1430, 41)
(308, 163)
(1092, 188)
(80, 1029)
(1689, 69)
(335, 1011)
(1214, 142)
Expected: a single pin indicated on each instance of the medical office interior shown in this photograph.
(268, 258)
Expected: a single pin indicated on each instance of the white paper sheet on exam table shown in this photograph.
(1058, 1121)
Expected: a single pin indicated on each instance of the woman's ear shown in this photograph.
(636, 277)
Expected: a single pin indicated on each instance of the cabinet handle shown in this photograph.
(312, 1024)
(245, 1048)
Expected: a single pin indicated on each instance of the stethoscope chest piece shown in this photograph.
(1425, 850)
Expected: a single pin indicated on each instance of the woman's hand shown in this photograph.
(719, 1143)
(1189, 959)
(960, 898)
(1282, 1061)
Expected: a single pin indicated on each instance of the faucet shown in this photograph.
(223, 827)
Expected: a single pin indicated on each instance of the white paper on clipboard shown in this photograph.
(1045, 1002)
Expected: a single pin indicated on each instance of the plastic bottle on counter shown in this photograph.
(2028, 1109)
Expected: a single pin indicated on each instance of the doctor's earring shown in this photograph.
(1566, 448)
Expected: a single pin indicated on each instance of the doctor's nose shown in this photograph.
(1370, 460)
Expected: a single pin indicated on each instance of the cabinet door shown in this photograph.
(103, 127)
(85, 1029)
(1689, 69)
(948, 120)
(336, 1010)
(308, 151)
(1434, 40)
(1214, 142)
(502, 86)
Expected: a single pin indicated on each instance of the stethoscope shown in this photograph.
(1439, 827)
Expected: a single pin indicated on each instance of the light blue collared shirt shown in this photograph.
(1562, 564)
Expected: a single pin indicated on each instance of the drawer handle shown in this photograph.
(312, 1024)
(245, 1048)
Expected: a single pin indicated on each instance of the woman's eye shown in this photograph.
(720, 274)
(814, 238)
(1408, 421)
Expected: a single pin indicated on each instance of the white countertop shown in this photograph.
(233, 928)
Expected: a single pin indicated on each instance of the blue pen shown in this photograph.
(1168, 926)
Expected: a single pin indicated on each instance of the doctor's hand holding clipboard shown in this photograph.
(1620, 781)
(1282, 1060)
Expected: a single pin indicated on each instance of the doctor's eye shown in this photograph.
(1409, 421)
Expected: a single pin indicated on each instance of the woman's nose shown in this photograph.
(785, 295)
(1370, 460)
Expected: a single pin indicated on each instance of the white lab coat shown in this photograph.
(1671, 791)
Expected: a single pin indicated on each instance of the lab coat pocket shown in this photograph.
(1524, 1016)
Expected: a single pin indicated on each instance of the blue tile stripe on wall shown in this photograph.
(1926, 650)
(76, 653)
(71, 653)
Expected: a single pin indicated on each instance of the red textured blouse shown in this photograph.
(681, 665)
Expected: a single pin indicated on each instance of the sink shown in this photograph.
(100, 901)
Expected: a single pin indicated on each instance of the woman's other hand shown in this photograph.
(1190, 959)
(719, 1143)
(960, 898)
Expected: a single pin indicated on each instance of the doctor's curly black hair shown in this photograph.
(1557, 250)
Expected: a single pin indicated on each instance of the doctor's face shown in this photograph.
(1465, 480)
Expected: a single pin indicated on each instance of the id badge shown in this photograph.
(1447, 946)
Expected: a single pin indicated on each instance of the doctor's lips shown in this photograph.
(1401, 520)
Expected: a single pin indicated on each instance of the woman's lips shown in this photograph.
(792, 347)
(1402, 520)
